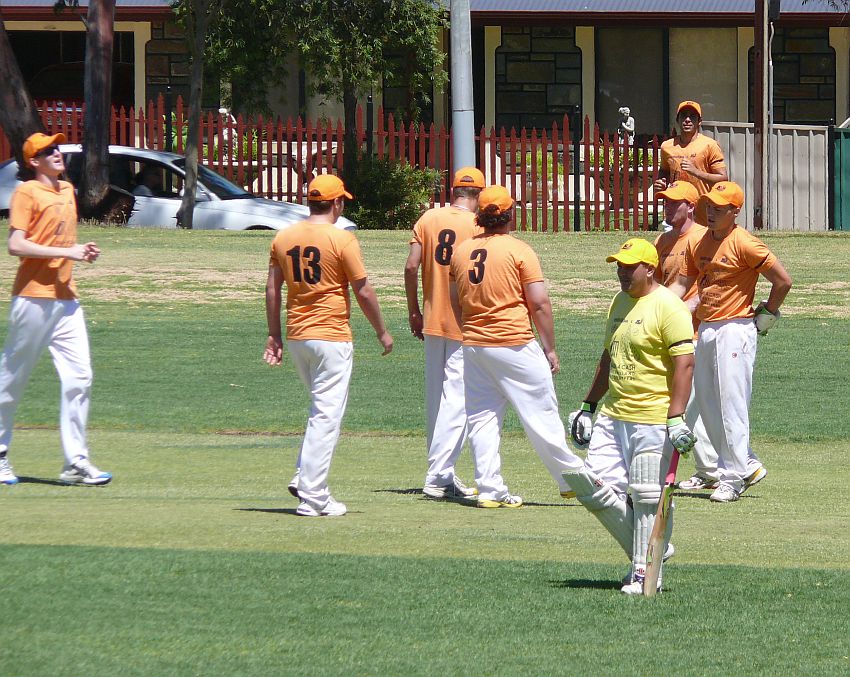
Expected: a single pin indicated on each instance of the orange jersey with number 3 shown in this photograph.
(490, 272)
(48, 217)
(440, 231)
(318, 261)
(726, 273)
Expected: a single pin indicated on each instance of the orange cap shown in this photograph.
(326, 187)
(468, 177)
(725, 193)
(37, 142)
(680, 190)
(497, 196)
(689, 104)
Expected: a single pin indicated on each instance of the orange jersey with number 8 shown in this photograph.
(440, 231)
(490, 272)
(318, 261)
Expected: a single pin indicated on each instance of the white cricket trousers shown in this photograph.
(723, 382)
(59, 326)
(445, 408)
(519, 375)
(325, 368)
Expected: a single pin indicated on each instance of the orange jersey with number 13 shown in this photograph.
(318, 261)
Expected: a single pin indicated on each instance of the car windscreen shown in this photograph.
(217, 184)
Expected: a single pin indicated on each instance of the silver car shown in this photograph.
(152, 181)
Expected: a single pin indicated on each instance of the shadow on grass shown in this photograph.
(273, 511)
(55, 483)
(706, 496)
(403, 492)
(586, 583)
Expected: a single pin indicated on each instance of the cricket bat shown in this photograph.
(655, 550)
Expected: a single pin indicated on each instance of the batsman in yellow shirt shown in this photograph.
(644, 375)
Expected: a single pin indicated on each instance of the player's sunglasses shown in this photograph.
(46, 152)
(692, 115)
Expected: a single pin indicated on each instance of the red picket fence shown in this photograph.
(276, 159)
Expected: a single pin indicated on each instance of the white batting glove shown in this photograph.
(681, 437)
(581, 423)
(764, 319)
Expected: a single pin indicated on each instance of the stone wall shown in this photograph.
(167, 61)
(538, 75)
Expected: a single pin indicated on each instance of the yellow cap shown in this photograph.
(636, 251)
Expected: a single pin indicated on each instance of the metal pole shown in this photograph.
(760, 120)
(463, 108)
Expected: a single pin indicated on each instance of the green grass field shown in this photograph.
(192, 562)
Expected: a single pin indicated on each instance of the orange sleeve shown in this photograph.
(417, 229)
(689, 264)
(714, 157)
(529, 268)
(757, 256)
(20, 210)
(352, 260)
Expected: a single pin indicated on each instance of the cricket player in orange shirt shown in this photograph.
(435, 237)
(725, 264)
(680, 200)
(318, 262)
(691, 156)
(45, 311)
(497, 291)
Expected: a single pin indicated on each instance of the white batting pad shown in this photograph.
(645, 489)
(606, 505)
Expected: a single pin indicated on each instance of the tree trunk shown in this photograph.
(197, 24)
(18, 115)
(94, 187)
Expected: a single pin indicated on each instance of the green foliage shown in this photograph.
(388, 194)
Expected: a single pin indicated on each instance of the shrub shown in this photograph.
(388, 194)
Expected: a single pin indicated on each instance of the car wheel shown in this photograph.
(258, 228)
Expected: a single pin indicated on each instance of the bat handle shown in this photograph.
(674, 464)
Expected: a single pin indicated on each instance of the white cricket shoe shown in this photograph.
(698, 483)
(508, 501)
(83, 471)
(293, 484)
(724, 494)
(457, 491)
(635, 587)
(757, 476)
(669, 551)
(333, 508)
(7, 475)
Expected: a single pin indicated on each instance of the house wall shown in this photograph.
(141, 35)
(703, 67)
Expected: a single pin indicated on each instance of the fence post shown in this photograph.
(169, 124)
(370, 115)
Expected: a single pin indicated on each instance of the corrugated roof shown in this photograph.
(134, 4)
(584, 6)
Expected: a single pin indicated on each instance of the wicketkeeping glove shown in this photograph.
(680, 435)
(764, 319)
(581, 423)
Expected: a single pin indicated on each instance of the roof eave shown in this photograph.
(679, 19)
